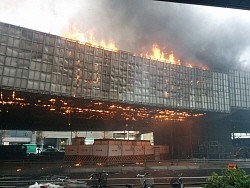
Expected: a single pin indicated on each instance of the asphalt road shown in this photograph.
(194, 172)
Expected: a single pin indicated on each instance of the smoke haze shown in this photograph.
(216, 37)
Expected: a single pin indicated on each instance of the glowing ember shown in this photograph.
(88, 37)
(101, 110)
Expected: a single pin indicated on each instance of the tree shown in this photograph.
(230, 179)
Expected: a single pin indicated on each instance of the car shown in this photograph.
(52, 152)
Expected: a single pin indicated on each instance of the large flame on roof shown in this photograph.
(160, 55)
(156, 52)
(88, 37)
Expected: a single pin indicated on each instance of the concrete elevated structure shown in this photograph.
(51, 83)
(236, 4)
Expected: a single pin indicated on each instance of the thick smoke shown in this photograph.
(216, 37)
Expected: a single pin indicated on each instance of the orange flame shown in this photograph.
(88, 37)
(158, 54)
(204, 67)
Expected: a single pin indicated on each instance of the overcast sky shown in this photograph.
(216, 37)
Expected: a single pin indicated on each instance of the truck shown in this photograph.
(31, 149)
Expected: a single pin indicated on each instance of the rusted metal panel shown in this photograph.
(100, 150)
(118, 142)
(126, 142)
(85, 149)
(78, 141)
(149, 150)
(145, 143)
(97, 142)
(127, 150)
(71, 150)
(139, 150)
(114, 150)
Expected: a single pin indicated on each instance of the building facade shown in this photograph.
(41, 63)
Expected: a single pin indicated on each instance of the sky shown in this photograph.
(216, 37)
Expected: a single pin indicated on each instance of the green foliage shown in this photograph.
(229, 179)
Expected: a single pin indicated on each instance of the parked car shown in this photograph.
(52, 152)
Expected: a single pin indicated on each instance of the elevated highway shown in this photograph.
(48, 80)
(43, 75)
(236, 4)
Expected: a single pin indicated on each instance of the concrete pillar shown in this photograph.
(33, 137)
(177, 136)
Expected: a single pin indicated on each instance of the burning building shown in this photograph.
(39, 62)
(116, 84)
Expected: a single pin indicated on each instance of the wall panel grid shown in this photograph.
(239, 89)
(36, 61)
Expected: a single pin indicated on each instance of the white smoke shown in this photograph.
(216, 37)
(50, 16)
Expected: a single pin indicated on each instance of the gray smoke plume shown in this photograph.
(216, 37)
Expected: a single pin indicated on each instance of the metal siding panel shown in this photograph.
(139, 150)
(85, 150)
(71, 150)
(127, 150)
(114, 150)
(100, 150)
